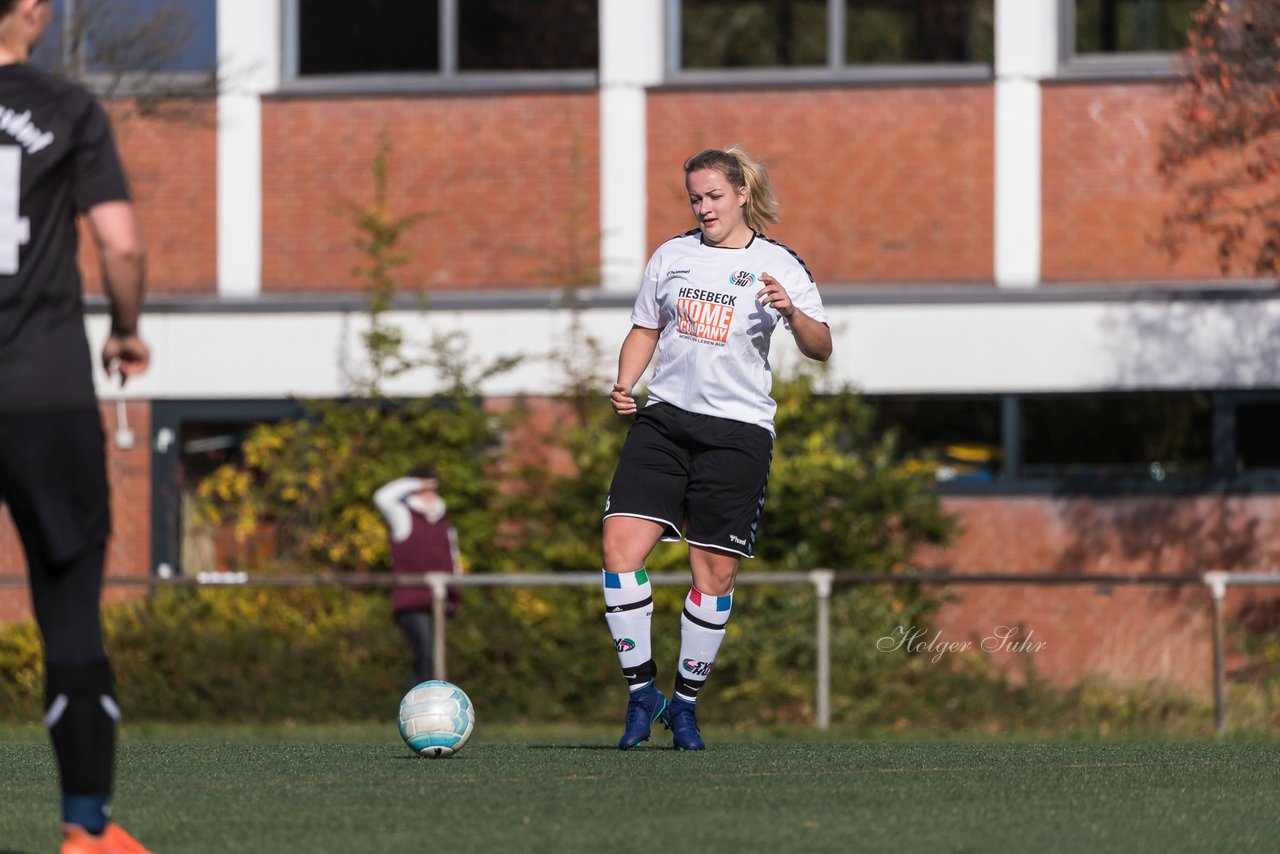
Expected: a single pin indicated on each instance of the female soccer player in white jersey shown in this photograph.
(697, 457)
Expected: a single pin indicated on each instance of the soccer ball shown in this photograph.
(436, 719)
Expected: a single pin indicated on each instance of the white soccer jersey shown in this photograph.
(713, 353)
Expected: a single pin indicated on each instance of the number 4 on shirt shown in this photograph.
(15, 230)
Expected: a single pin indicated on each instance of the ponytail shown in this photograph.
(740, 169)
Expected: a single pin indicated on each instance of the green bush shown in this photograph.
(245, 655)
(210, 654)
(21, 672)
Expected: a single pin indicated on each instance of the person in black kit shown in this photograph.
(422, 541)
(58, 160)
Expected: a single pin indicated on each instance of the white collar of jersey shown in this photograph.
(702, 239)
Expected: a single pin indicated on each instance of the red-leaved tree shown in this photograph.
(1221, 153)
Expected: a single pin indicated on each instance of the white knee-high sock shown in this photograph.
(701, 632)
(628, 608)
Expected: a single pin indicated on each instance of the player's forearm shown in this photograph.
(812, 337)
(637, 351)
(115, 232)
(123, 275)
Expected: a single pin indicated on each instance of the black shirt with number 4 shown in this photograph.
(57, 160)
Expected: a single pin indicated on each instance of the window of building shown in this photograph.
(439, 40)
(753, 34)
(105, 38)
(1257, 426)
(192, 438)
(1117, 437)
(393, 36)
(919, 32)
(1132, 26)
(1124, 38)
(830, 34)
(958, 439)
(1105, 442)
(516, 35)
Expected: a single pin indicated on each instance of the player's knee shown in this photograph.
(714, 574)
(716, 585)
(717, 580)
(622, 553)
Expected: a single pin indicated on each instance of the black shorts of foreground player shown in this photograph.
(696, 460)
(57, 161)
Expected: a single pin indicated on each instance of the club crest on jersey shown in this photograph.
(624, 644)
(696, 668)
(741, 278)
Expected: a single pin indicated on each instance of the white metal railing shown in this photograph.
(822, 581)
(1218, 582)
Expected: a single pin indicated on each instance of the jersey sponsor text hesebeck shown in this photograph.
(713, 352)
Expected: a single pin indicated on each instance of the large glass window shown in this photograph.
(383, 36)
(753, 33)
(958, 439)
(919, 31)
(1257, 436)
(123, 37)
(1109, 442)
(442, 37)
(1132, 26)
(516, 35)
(1151, 436)
(736, 34)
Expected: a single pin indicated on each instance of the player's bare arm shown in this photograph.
(637, 351)
(115, 231)
(813, 337)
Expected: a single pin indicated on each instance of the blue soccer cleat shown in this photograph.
(645, 707)
(683, 723)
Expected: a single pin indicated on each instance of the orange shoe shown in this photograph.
(114, 840)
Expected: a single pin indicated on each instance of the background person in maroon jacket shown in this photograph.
(422, 540)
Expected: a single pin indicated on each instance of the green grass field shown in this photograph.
(358, 789)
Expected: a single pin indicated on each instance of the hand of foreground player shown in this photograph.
(127, 353)
(621, 400)
(774, 295)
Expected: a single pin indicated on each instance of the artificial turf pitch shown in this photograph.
(360, 790)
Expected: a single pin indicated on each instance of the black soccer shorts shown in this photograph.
(53, 476)
(697, 473)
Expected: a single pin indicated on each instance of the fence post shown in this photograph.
(1217, 582)
(438, 617)
(821, 579)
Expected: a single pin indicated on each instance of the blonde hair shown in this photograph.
(740, 169)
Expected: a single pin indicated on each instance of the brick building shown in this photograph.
(972, 183)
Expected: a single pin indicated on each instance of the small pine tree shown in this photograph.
(301, 494)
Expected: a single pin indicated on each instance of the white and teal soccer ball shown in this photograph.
(436, 719)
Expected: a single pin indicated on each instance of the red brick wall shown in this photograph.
(171, 159)
(1128, 632)
(875, 184)
(1103, 200)
(510, 182)
(129, 552)
(896, 181)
